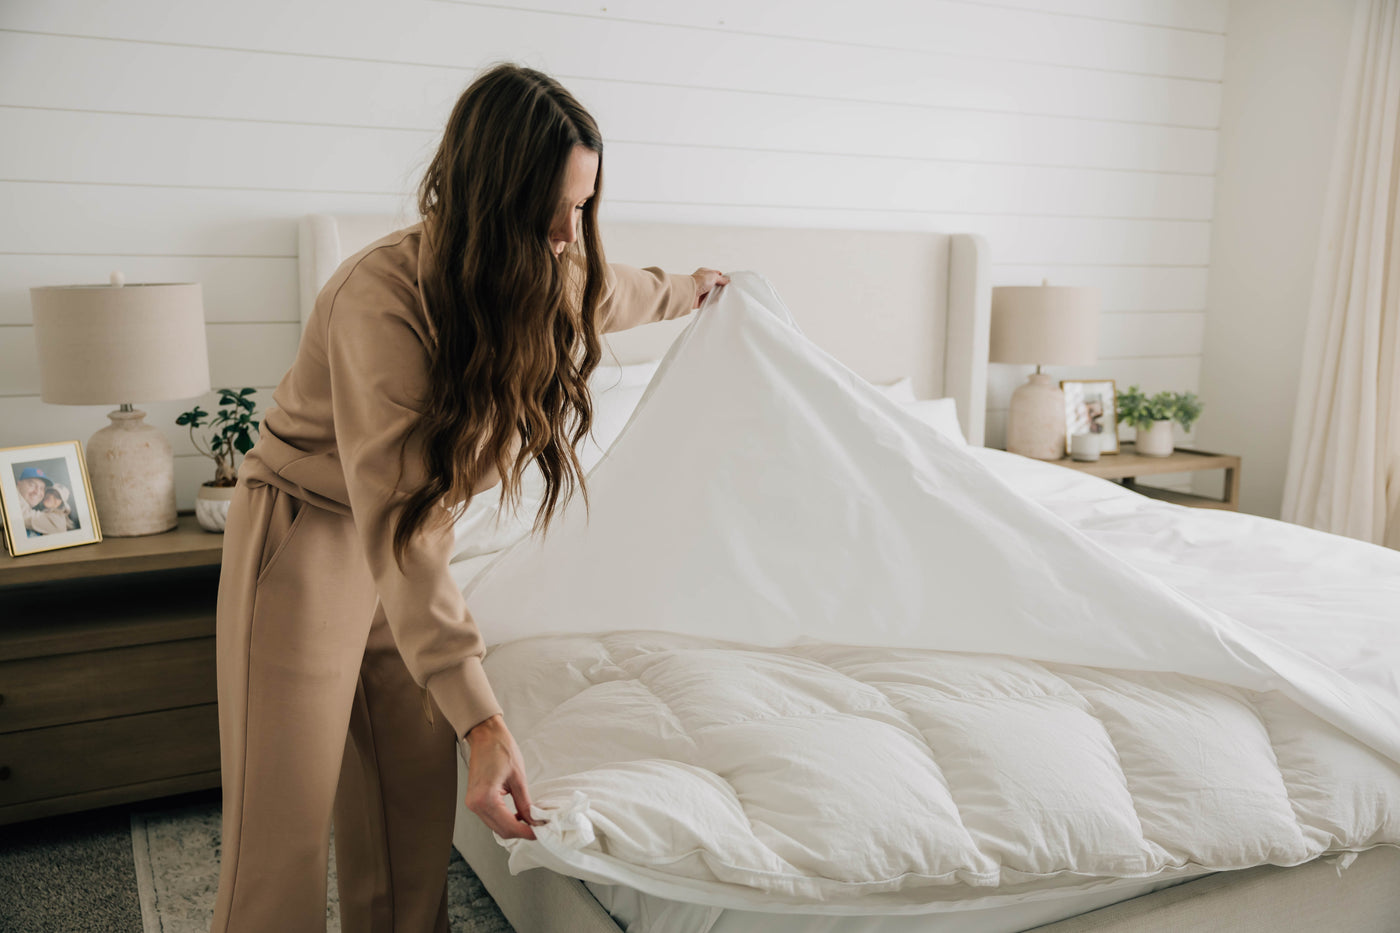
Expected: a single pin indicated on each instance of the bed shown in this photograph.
(924, 301)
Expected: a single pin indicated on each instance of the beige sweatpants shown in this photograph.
(319, 716)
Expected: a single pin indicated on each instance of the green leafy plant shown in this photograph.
(228, 434)
(1140, 410)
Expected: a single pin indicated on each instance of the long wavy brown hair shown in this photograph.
(516, 337)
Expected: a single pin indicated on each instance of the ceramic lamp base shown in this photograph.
(132, 470)
(1035, 425)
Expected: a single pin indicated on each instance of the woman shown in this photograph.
(439, 361)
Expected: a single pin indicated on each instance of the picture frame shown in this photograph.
(1091, 406)
(46, 498)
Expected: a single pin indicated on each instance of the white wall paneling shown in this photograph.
(1203, 15)
(179, 152)
(1122, 288)
(29, 421)
(1026, 241)
(1147, 335)
(1026, 34)
(236, 289)
(457, 34)
(56, 218)
(242, 86)
(179, 140)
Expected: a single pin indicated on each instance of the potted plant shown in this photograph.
(1152, 417)
(227, 435)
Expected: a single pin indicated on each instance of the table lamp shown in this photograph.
(118, 343)
(1045, 325)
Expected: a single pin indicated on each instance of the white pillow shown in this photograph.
(941, 414)
(606, 378)
(483, 529)
(616, 390)
(900, 391)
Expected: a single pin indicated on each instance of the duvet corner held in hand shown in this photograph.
(565, 825)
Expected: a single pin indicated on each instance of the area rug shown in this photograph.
(176, 851)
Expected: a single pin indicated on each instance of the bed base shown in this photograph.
(1314, 896)
(1364, 898)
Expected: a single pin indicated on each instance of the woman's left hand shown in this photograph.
(495, 769)
(706, 280)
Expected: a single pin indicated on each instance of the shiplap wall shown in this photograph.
(180, 140)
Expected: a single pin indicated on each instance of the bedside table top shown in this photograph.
(1131, 463)
(187, 545)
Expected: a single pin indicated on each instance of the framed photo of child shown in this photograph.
(46, 499)
(1091, 407)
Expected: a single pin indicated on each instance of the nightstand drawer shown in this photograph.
(65, 760)
(87, 685)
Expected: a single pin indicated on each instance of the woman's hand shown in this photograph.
(494, 769)
(706, 280)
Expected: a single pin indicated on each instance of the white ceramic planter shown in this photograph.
(211, 507)
(1156, 441)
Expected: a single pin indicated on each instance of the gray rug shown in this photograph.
(68, 874)
(176, 852)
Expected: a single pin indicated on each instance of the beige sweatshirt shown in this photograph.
(341, 414)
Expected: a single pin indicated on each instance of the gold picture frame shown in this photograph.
(1081, 395)
(46, 498)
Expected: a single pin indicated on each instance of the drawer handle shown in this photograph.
(4, 772)
(2, 699)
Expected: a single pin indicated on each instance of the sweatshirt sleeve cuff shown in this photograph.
(464, 695)
(684, 291)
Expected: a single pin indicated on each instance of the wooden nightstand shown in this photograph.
(1128, 465)
(107, 681)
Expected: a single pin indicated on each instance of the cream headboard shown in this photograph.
(886, 304)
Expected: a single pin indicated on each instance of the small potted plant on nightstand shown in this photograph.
(227, 435)
(1153, 416)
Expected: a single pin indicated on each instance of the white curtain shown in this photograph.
(1344, 465)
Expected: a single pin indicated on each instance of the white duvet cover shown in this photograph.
(807, 655)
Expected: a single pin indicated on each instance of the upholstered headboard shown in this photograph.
(886, 304)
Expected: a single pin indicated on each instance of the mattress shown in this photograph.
(960, 681)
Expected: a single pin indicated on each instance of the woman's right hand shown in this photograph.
(705, 281)
(495, 769)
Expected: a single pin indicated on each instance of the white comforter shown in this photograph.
(1248, 712)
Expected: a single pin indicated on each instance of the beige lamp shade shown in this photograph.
(1045, 325)
(118, 344)
(105, 344)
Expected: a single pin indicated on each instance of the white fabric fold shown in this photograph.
(763, 495)
(565, 822)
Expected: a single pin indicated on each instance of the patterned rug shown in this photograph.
(177, 874)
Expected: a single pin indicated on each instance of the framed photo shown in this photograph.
(46, 499)
(1091, 407)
